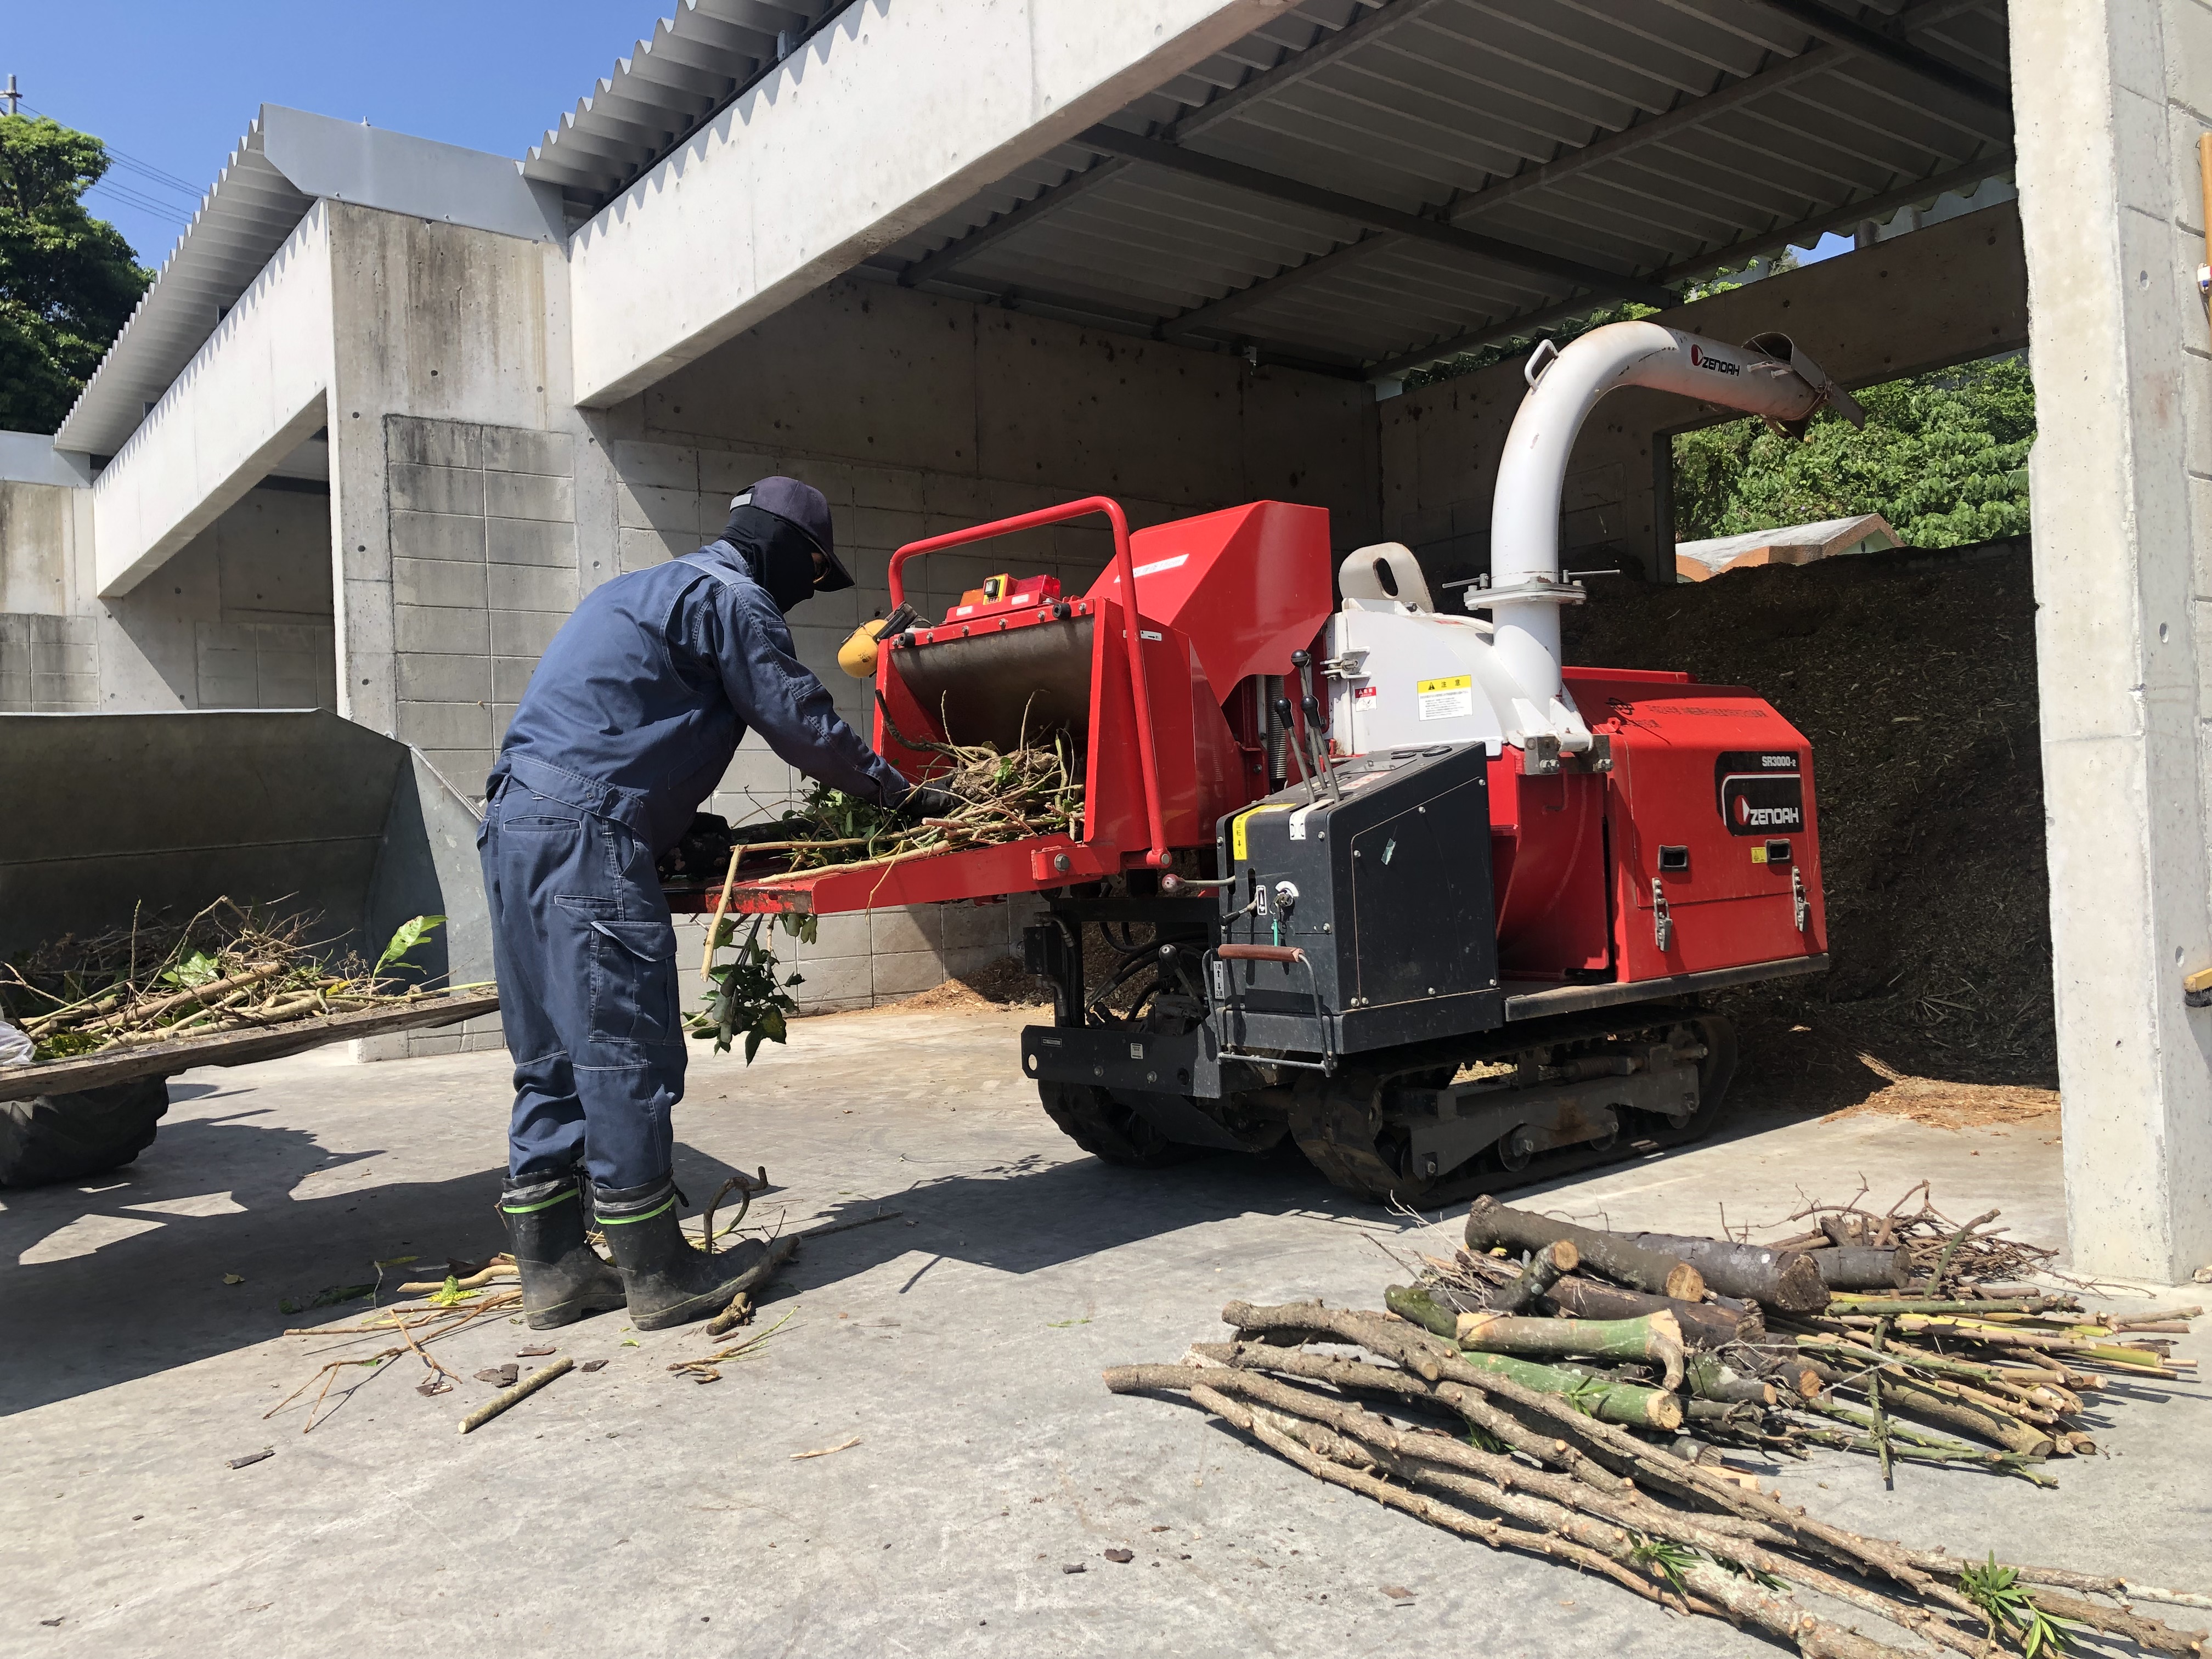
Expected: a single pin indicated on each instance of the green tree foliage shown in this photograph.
(68, 281)
(1943, 458)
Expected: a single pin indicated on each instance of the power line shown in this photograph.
(128, 162)
(147, 204)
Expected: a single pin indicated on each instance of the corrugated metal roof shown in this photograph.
(1655, 140)
(288, 160)
(694, 63)
(242, 220)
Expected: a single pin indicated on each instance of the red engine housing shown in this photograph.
(1710, 796)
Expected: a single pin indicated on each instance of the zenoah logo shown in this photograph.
(1759, 792)
(1700, 358)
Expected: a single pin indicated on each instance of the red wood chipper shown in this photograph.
(1381, 878)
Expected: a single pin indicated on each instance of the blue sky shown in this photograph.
(171, 84)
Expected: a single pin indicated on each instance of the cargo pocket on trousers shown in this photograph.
(633, 981)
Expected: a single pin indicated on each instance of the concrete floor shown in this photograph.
(632, 1512)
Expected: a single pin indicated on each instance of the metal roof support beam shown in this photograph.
(1374, 216)
(1792, 235)
(1264, 83)
(1029, 300)
(1816, 60)
(1892, 49)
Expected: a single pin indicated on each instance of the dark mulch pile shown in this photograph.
(1916, 687)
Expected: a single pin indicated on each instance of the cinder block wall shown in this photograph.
(242, 617)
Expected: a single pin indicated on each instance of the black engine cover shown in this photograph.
(1386, 890)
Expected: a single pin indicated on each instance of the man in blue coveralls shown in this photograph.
(628, 722)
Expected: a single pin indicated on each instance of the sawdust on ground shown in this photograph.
(1001, 984)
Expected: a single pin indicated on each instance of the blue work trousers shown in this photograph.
(587, 989)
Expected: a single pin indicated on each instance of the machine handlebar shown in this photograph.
(1260, 953)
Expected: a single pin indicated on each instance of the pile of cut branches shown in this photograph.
(1379, 1405)
(1004, 795)
(1904, 1336)
(228, 967)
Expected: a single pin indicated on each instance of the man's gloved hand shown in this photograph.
(926, 800)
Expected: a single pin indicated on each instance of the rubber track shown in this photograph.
(1338, 1137)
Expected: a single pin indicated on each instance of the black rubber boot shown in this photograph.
(562, 1277)
(670, 1281)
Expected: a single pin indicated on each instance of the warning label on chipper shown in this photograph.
(1447, 699)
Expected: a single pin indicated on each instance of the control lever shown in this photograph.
(1303, 661)
(1283, 712)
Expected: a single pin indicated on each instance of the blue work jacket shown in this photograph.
(643, 697)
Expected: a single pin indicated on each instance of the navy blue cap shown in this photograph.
(804, 507)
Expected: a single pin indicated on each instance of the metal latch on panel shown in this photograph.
(1804, 905)
(1662, 919)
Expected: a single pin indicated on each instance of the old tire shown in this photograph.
(56, 1137)
(1106, 1128)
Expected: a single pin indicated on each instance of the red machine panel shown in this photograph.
(1223, 596)
(1548, 871)
(1250, 585)
(1713, 824)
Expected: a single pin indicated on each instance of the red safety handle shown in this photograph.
(1140, 694)
(1260, 953)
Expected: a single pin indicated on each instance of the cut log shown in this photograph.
(1542, 1272)
(1611, 1402)
(1785, 1279)
(1721, 1415)
(1704, 1324)
(1654, 1339)
(1490, 1223)
(1709, 1379)
(1626, 1403)
(1856, 1267)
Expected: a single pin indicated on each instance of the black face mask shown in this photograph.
(777, 553)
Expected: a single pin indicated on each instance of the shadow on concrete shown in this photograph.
(126, 1273)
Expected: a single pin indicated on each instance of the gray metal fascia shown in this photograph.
(289, 160)
(400, 173)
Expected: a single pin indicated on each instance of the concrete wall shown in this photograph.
(49, 656)
(240, 619)
(1942, 295)
(889, 116)
(2112, 95)
(250, 396)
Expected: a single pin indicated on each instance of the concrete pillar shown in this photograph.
(2110, 96)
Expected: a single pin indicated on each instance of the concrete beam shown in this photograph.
(884, 121)
(248, 397)
(2111, 96)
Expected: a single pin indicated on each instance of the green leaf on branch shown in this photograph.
(197, 969)
(747, 997)
(411, 933)
(2010, 1611)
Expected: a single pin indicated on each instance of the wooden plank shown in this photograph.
(237, 1048)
